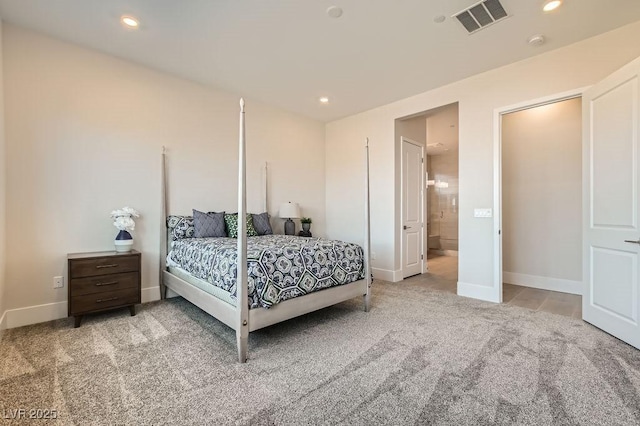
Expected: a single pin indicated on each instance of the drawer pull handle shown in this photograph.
(107, 283)
(113, 265)
(107, 300)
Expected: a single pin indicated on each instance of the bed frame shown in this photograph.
(240, 318)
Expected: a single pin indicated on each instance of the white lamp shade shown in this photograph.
(289, 210)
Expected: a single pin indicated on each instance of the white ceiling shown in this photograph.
(289, 52)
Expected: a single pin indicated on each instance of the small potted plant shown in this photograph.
(306, 223)
(123, 220)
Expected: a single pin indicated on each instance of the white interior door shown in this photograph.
(611, 117)
(412, 208)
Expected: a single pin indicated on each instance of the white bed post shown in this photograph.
(367, 234)
(265, 188)
(242, 289)
(163, 227)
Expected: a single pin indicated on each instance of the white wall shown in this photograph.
(413, 128)
(542, 196)
(84, 136)
(571, 67)
(3, 203)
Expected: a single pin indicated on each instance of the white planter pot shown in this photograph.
(123, 245)
(123, 242)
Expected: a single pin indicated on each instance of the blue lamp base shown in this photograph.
(289, 227)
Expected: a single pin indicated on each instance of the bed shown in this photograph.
(283, 277)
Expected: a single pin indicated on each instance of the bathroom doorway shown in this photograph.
(436, 130)
(442, 192)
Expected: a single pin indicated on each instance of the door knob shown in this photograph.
(632, 241)
(408, 227)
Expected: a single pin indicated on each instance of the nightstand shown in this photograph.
(102, 281)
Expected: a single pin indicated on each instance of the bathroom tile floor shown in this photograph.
(566, 304)
(443, 276)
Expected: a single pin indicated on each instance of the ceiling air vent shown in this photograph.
(481, 15)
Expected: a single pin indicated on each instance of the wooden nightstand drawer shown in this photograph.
(103, 265)
(103, 280)
(102, 283)
(106, 300)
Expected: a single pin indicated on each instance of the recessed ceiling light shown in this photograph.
(324, 100)
(551, 5)
(129, 21)
(439, 19)
(334, 12)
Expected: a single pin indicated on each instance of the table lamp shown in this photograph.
(289, 211)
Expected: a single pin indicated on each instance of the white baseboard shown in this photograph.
(544, 283)
(3, 321)
(386, 275)
(13, 318)
(451, 253)
(150, 294)
(35, 314)
(477, 291)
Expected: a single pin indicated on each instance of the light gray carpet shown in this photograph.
(419, 357)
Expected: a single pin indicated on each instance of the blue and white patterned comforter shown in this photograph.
(281, 267)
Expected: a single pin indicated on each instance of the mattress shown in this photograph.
(280, 267)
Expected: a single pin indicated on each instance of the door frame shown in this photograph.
(496, 290)
(423, 201)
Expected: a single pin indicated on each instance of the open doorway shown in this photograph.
(541, 170)
(430, 200)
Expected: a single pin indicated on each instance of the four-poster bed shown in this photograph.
(239, 315)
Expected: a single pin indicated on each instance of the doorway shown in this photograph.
(542, 207)
(530, 179)
(429, 201)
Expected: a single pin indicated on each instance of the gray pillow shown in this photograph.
(208, 224)
(261, 223)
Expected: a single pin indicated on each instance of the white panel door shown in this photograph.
(412, 208)
(611, 117)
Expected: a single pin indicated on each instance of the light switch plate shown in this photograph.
(482, 213)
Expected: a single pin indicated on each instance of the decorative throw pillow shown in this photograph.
(232, 225)
(208, 224)
(180, 227)
(261, 224)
